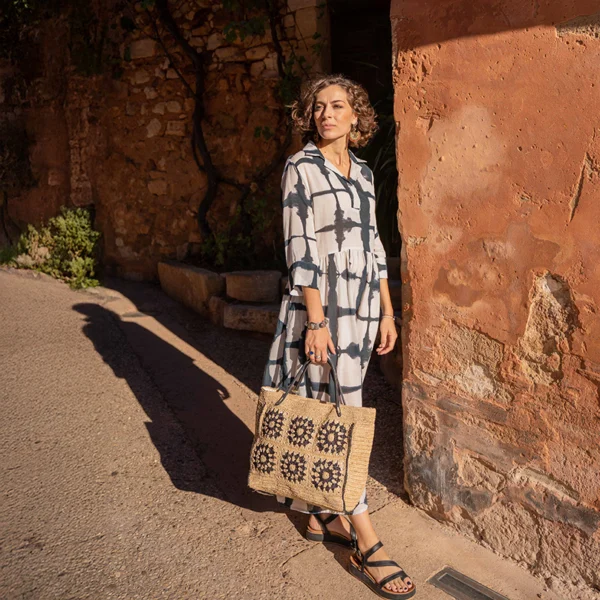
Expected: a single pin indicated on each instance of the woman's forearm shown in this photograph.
(386, 299)
(314, 307)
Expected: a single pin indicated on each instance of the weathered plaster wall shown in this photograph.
(498, 109)
(122, 145)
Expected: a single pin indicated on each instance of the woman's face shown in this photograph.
(333, 114)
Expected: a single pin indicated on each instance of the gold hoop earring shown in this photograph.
(354, 134)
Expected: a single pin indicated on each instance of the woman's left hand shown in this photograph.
(389, 335)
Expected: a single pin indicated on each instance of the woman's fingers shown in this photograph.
(331, 346)
(319, 355)
(387, 345)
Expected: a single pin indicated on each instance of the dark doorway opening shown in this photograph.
(361, 49)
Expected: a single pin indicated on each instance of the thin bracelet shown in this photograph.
(388, 317)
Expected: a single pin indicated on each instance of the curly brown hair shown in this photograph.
(302, 109)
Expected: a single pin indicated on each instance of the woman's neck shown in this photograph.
(335, 150)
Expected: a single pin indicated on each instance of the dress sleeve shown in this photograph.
(301, 252)
(378, 248)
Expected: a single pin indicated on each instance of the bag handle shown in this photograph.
(339, 398)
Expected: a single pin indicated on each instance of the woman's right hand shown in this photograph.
(318, 341)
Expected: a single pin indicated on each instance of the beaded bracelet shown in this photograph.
(388, 317)
(312, 325)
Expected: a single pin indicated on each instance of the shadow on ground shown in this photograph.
(221, 440)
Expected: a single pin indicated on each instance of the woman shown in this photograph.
(337, 286)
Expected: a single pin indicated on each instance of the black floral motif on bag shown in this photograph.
(273, 423)
(301, 431)
(326, 475)
(293, 466)
(264, 458)
(332, 437)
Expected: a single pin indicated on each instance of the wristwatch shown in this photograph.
(312, 325)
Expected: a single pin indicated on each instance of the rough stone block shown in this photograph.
(228, 53)
(176, 128)
(248, 317)
(253, 286)
(511, 531)
(473, 472)
(150, 93)
(216, 309)
(173, 106)
(257, 68)
(153, 128)
(145, 48)
(158, 187)
(570, 555)
(214, 41)
(190, 285)
(257, 53)
(139, 77)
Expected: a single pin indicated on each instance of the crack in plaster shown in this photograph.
(587, 169)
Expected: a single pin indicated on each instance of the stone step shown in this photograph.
(253, 286)
(251, 317)
(190, 285)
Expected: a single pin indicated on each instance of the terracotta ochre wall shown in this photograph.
(497, 106)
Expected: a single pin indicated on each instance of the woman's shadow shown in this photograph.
(220, 439)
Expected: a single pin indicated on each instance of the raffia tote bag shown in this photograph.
(314, 451)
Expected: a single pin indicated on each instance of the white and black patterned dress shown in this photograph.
(331, 244)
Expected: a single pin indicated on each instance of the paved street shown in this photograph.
(126, 423)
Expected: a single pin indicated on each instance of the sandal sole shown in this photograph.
(340, 540)
(374, 586)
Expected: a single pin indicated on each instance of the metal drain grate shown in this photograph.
(461, 587)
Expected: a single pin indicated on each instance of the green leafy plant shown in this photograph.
(64, 249)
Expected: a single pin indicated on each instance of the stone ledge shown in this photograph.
(190, 285)
(251, 317)
(253, 286)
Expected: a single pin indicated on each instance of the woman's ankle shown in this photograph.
(367, 542)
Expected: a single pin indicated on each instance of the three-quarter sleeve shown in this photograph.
(299, 232)
(378, 249)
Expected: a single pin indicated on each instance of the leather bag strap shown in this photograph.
(339, 397)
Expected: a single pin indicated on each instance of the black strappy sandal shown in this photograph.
(358, 567)
(330, 536)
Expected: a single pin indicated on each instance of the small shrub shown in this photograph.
(65, 248)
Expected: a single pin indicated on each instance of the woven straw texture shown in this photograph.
(303, 450)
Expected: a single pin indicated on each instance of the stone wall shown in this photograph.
(499, 201)
(119, 141)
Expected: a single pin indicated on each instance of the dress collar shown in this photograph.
(311, 149)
